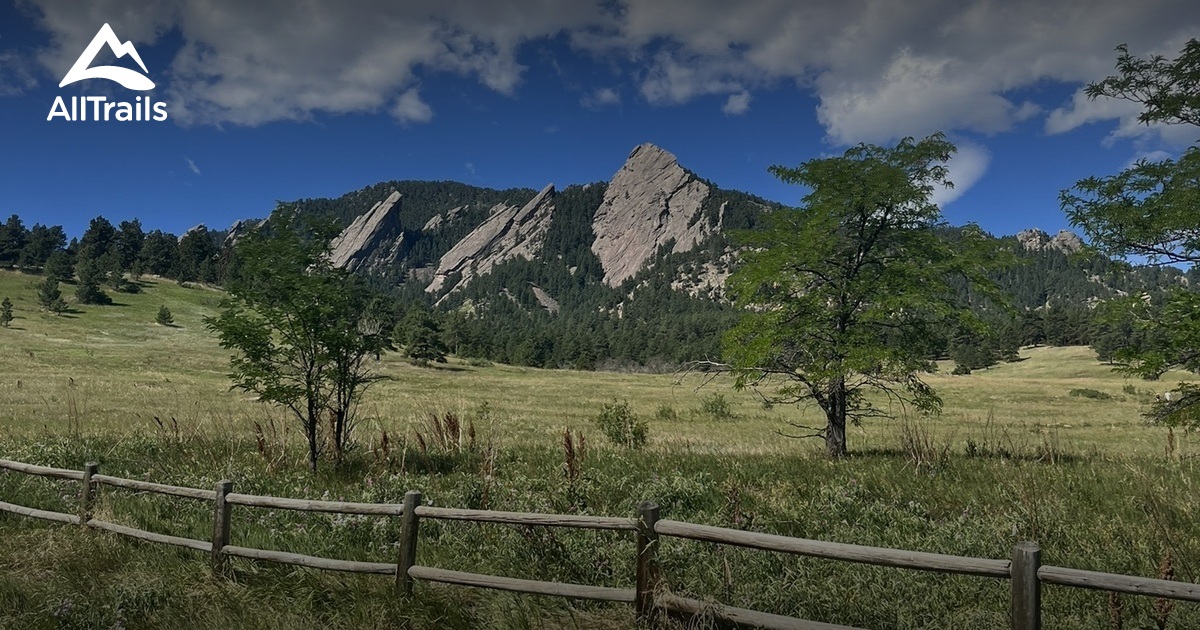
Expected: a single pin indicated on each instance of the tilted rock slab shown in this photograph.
(650, 201)
(510, 232)
(373, 240)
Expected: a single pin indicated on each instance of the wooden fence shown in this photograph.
(648, 596)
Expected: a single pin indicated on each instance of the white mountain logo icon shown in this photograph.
(126, 77)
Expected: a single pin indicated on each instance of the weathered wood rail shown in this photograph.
(648, 596)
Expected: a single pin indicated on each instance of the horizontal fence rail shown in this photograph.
(526, 518)
(312, 562)
(157, 488)
(304, 505)
(42, 471)
(536, 587)
(649, 597)
(837, 551)
(1133, 585)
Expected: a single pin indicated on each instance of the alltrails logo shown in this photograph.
(100, 108)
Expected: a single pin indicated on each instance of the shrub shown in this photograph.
(621, 426)
(715, 407)
(1129, 389)
(1090, 393)
(6, 312)
(666, 413)
(164, 317)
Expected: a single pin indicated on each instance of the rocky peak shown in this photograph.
(1066, 241)
(240, 229)
(650, 201)
(510, 232)
(1036, 240)
(372, 240)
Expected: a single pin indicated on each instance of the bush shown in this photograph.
(715, 407)
(960, 370)
(621, 426)
(1129, 389)
(666, 413)
(164, 317)
(1090, 393)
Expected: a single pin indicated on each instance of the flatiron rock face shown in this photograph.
(649, 202)
(510, 232)
(373, 240)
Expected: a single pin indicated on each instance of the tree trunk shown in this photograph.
(835, 427)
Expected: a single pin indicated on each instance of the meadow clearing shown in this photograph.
(1051, 448)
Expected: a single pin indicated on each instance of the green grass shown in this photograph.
(1013, 457)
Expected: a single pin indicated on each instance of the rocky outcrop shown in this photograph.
(373, 240)
(649, 202)
(240, 229)
(543, 298)
(510, 232)
(1037, 240)
(446, 218)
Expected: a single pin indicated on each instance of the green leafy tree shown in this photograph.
(845, 294)
(6, 312)
(302, 330)
(50, 297)
(164, 317)
(1149, 211)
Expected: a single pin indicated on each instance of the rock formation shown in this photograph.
(650, 201)
(510, 232)
(1036, 240)
(373, 240)
(239, 229)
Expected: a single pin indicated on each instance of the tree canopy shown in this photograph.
(301, 328)
(1151, 211)
(843, 295)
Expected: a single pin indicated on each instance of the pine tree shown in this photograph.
(50, 297)
(90, 276)
(6, 312)
(422, 337)
(164, 317)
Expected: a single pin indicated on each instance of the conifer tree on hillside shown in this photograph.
(6, 312)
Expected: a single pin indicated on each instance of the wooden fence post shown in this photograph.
(1026, 588)
(647, 568)
(220, 532)
(87, 493)
(409, 524)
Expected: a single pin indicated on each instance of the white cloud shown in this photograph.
(966, 167)
(879, 69)
(192, 165)
(601, 97)
(737, 104)
(409, 108)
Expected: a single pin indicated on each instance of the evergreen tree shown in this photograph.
(164, 317)
(90, 276)
(6, 312)
(60, 266)
(12, 240)
(159, 253)
(43, 242)
(130, 239)
(98, 240)
(421, 336)
(50, 297)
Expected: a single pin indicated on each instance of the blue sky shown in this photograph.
(276, 100)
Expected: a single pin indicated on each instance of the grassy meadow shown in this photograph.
(1014, 456)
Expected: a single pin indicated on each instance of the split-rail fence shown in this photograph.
(648, 596)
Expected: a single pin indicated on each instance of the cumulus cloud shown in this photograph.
(409, 108)
(737, 104)
(601, 97)
(880, 70)
(966, 167)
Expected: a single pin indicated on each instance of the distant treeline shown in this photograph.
(650, 322)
